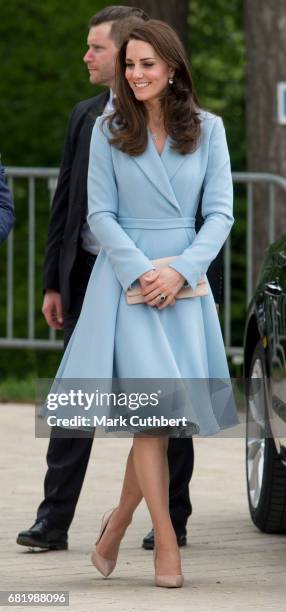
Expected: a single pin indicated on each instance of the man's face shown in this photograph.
(101, 55)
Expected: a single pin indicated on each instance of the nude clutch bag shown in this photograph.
(134, 294)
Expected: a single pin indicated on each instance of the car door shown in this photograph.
(275, 314)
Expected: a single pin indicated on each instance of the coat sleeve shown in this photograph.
(217, 206)
(127, 260)
(6, 208)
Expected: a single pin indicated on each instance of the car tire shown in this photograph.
(265, 472)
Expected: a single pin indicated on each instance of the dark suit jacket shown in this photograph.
(6, 208)
(69, 208)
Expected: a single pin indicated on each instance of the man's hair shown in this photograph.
(116, 13)
(121, 29)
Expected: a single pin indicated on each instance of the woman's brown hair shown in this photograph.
(128, 123)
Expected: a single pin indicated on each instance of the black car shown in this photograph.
(265, 385)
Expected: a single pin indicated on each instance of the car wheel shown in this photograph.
(265, 472)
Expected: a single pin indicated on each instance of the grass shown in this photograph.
(16, 390)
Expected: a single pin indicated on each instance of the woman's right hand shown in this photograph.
(146, 280)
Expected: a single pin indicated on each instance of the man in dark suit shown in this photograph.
(70, 255)
(6, 208)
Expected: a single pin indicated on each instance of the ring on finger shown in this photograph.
(162, 298)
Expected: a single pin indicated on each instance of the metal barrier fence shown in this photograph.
(31, 175)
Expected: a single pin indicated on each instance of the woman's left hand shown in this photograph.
(168, 283)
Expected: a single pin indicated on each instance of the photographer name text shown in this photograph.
(104, 421)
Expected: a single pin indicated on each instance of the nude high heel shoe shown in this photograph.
(103, 565)
(169, 582)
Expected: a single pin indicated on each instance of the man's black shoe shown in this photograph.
(148, 541)
(43, 535)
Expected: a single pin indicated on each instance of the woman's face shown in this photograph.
(146, 73)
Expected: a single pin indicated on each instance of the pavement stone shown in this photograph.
(228, 564)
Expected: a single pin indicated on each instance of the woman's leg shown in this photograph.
(152, 471)
(147, 474)
(130, 498)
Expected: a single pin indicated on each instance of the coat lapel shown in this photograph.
(152, 164)
(172, 160)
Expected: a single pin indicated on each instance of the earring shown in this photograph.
(171, 81)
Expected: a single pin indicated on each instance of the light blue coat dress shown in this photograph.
(142, 208)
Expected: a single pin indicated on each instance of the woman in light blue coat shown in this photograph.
(149, 163)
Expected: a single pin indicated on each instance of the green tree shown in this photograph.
(218, 61)
(217, 53)
(42, 76)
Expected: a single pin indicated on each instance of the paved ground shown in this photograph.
(228, 564)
